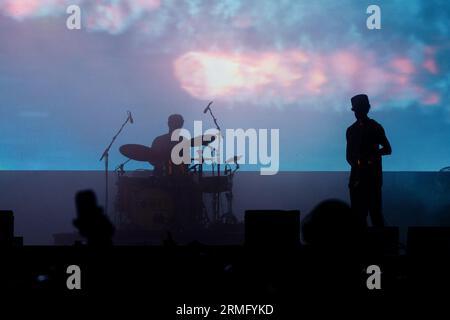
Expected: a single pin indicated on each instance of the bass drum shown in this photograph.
(151, 209)
(144, 204)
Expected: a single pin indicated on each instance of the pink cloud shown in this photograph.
(431, 66)
(24, 9)
(346, 62)
(430, 62)
(431, 98)
(298, 76)
(116, 17)
(146, 4)
(317, 79)
(107, 17)
(20, 9)
(102, 15)
(403, 65)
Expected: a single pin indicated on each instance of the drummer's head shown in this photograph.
(175, 121)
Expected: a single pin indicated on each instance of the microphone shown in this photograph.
(208, 107)
(130, 117)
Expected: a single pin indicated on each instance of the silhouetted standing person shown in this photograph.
(366, 144)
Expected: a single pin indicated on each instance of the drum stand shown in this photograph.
(216, 196)
(203, 217)
(229, 217)
(216, 185)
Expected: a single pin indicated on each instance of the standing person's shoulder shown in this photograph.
(352, 126)
(376, 125)
(374, 122)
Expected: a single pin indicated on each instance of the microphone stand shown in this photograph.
(105, 156)
(120, 168)
(217, 195)
(218, 128)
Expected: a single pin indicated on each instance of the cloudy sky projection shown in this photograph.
(291, 65)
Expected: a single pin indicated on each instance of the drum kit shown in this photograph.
(174, 200)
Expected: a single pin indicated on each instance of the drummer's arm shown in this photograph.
(154, 146)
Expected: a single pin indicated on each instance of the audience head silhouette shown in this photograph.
(91, 222)
(360, 106)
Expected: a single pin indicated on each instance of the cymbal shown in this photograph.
(203, 140)
(140, 152)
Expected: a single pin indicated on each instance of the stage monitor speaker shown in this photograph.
(272, 228)
(6, 228)
(383, 240)
(428, 241)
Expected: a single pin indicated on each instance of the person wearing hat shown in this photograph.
(366, 144)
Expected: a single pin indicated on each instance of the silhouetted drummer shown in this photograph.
(162, 145)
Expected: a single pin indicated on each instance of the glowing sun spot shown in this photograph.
(206, 75)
